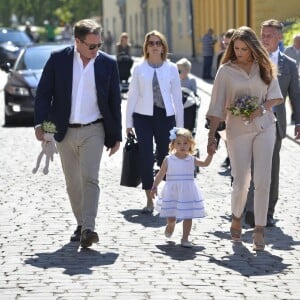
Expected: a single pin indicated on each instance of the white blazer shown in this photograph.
(140, 94)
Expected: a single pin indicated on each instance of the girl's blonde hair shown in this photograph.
(188, 135)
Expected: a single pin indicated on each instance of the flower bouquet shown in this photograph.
(244, 106)
(49, 127)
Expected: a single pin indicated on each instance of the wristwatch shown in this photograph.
(263, 109)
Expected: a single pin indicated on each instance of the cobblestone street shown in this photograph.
(133, 260)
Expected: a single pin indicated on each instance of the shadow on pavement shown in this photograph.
(277, 239)
(147, 220)
(250, 263)
(73, 262)
(176, 252)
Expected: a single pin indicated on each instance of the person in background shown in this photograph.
(271, 34)
(208, 42)
(29, 31)
(67, 32)
(180, 197)
(79, 93)
(50, 30)
(294, 52)
(184, 68)
(226, 39)
(124, 59)
(154, 106)
(246, 72)
(123, 47)
(108, 41)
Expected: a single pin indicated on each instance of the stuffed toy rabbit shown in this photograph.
(48, 148)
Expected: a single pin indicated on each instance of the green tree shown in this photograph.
(56, 10)
(290, 31)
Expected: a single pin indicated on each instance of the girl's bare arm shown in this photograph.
(205, 163)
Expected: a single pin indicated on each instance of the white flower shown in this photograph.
(49, 127)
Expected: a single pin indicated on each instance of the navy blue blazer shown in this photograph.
(53, 97)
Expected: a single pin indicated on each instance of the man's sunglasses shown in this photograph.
(92, 46)
(152, 43)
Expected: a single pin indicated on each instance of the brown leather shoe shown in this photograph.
(75, 237)
(88, 237)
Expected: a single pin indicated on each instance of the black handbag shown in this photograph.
(130, 175)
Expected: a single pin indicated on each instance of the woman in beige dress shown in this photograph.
(246, 72)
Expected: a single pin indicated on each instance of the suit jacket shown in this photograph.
(53, 97)
(289, 85)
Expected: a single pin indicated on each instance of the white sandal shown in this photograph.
(186, 244)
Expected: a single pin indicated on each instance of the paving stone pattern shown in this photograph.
(133, 259)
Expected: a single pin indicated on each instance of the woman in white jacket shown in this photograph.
(154, 106)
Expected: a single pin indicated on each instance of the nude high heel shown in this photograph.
(258, 239)
(236, 232)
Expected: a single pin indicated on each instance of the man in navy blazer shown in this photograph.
(79, 92)
(271, 35)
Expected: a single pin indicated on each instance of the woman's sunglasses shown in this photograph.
(154, 43)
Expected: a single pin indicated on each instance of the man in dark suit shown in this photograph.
(79, 92)
(271, 35)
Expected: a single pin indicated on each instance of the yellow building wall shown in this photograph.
(111, 20)
(268, 9)
(181, 28)
(217, 14)
(134, 20)
(224, 14)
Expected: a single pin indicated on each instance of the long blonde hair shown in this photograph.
(188, 135)
(258, 52)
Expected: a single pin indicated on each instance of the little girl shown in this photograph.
(180, 198)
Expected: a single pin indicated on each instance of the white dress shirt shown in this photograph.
(84, 107)
(274, 57)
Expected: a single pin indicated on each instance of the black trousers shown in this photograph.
(207, 64)
(147, 128)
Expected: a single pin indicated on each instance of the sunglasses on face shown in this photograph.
(154, 43)
(92, 46)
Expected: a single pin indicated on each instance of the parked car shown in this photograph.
(22, 81)
(11, 43)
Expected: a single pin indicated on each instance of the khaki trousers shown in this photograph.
(80, 153)
(259, 144)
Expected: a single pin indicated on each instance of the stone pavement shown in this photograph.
(133, 260)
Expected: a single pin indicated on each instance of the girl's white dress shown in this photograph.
(180, 196)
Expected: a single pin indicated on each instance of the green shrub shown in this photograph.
(290, 30)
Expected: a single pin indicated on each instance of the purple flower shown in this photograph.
(244, 106)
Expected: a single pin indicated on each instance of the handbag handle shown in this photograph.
(131, 140)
